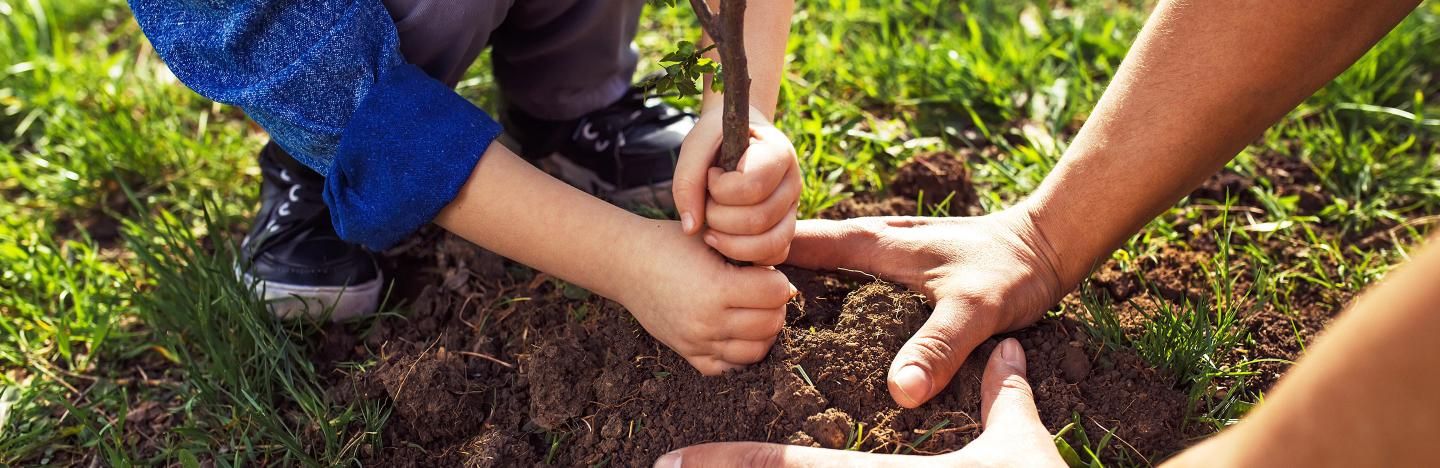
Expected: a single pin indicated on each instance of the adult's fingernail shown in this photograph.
(687, 222)
(669, 460)
(711, 239)
(913, 383)
(1012, 353)
(794, 292)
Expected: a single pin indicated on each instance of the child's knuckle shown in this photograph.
(756, 221)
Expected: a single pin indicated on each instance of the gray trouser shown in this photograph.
(553, 59)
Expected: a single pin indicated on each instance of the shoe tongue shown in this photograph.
(623, 116)
(303, 224)
(322, 248)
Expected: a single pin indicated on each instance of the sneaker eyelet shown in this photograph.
(588, 133)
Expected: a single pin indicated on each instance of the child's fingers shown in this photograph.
(754, 219)
(754, 324)
(759, 288)
(710, 365)
(742, 352)
(774, 243)
(761, 170)
(689, 183)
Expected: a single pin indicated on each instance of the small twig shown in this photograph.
(926, 435)
(486, 357)
(1230, 209)
(406, 376)
(707, 19)
(858, 274)
(1409, 223)
(965, 428)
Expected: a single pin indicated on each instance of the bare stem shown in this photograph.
(735, 122)
(728, 31)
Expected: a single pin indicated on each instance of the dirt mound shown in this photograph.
(939, 181)
(936, 177)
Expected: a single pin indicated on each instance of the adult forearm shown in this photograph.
(513, 209)
(1364, 395)
(767, 28)
(1203, 79)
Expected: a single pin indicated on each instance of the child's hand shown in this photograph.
(750, 211)
(718, 316)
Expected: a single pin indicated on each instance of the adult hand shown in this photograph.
(750, 212)
(1013, 433)
(985, 275)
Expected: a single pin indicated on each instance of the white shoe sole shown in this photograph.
(657, 196)
(289, 301)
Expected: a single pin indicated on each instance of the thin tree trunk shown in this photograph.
(728, 31)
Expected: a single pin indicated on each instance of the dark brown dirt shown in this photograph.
(935, 177)
(1288, 176)
(929, 179)
(499, 365)
(606, 391)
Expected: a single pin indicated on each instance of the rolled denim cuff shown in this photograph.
(404, 155)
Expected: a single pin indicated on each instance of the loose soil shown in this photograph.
(496, 365)
(939, 181)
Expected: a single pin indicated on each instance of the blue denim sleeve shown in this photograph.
(326, 78)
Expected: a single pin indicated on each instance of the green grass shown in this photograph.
(124, 192)
(261, 396)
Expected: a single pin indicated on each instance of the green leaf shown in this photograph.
(187, 459)
(1067, 452)
(575, 293)
(718, 82)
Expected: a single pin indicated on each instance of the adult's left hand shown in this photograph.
(986, 275)
(1013, 434)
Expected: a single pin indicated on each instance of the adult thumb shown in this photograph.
(762, 455)
(929, 359)
(1007, 404)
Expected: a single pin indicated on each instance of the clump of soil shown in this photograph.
(494, 448)
(940, 181)
(936, 177)
(432, 394)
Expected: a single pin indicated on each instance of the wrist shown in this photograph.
(627, 262)
(1062, 245)
(611, 268)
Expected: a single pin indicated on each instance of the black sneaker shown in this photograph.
(294, 259)
(624, 152)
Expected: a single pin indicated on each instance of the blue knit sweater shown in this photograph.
(326, 78)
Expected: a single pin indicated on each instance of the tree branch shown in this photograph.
(707, 19)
